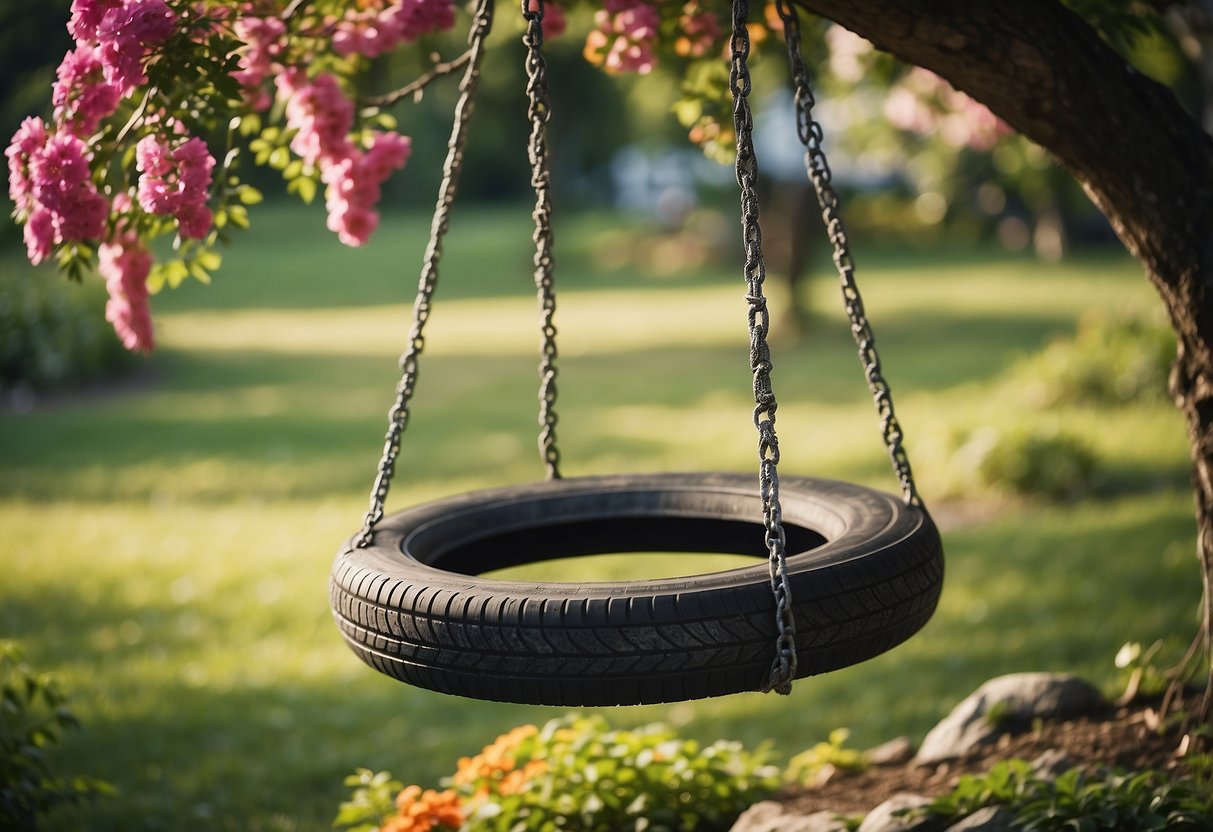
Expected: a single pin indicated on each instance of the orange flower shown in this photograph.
(423, 811)
(495, 760)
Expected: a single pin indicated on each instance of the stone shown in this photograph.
(1051, 763)
(895, 752)
(989, 819)
(1006, 703)
(769, 816)
(885, 817)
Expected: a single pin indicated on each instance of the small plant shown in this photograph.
(1148, 801)
(33, 717)
(52, 334)
(1108, 360)
(815, 765)
(574, 774)
(1029, 461)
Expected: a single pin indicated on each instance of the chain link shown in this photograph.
(818, 169)
(539, 110)
(783, 668)
(398, 416)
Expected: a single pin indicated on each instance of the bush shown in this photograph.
(33, 717)
(53, 333)
(573, 774)
(1148, 801)
(1108, 360)
(1029, 461)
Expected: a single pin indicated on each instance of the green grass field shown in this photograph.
(167, 544)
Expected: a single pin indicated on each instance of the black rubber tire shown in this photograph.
(866, 572)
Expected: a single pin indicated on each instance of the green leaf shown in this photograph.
(250, 195)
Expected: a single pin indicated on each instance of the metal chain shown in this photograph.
(783, 668)
(540, 111)
(818, 169)
(398, 416)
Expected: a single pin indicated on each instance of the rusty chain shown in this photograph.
(539, 111)
(783, 668)
(398, 416)
(818, 169)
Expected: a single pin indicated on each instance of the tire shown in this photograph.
(865, 570)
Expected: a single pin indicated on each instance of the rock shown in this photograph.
(895, 752)
(884, 818)
(1006, 703)
(989, 819)
(769, 816)
(1049, 764)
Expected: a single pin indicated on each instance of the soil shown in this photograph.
(1128, 738)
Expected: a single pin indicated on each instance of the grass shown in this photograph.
(166, 548)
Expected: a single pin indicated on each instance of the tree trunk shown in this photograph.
(1144, 162)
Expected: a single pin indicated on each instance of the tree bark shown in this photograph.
(1143, 160)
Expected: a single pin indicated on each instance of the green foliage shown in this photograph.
(1145, 801)
(1109, 360)
(1030, 461)
(577, 774)
(33, 717)
(808, 767)
(53, 333)
(372, 800)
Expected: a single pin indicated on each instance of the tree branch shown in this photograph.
(436, 72)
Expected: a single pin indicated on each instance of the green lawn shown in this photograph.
(166, 547)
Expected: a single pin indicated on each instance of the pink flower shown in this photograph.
(29, 138)
(125, 264)
(176, 182)
(264, 38)
(123, 32)
(321, 113)
(82, 96)
(414, 18)
(39, 235)
(61, 184)
(353, 186)
(700, 31)
(87, 16)
(625, 37)
(50, 182)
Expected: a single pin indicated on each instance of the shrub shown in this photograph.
(816, 764)
(1145, 801)
(53, 333)
(1108, 360)
(33, 717)
(1029, 461)
(572, 774)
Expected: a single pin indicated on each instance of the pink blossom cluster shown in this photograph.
(353, 186)
(700, 30)
(923, 102)
(379, 26)
(82, 95)
(123, 32)
(624, 37)
(264, 41)
(176, 182)
(125, 263)
(323, 116)
(51, 184)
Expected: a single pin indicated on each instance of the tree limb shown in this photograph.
(437, 71)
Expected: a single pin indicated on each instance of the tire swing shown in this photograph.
(850, 571)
